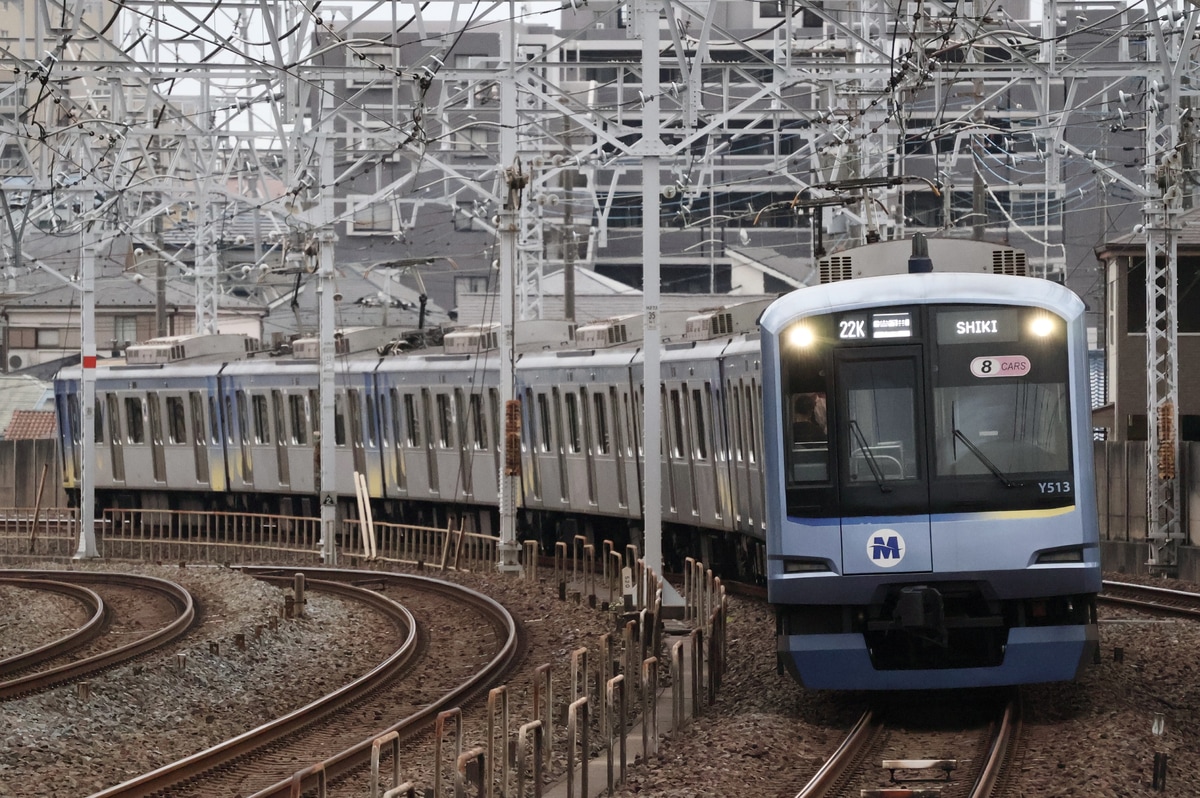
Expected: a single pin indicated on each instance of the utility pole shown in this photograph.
(87, 389)
(323, 241)
(512, 180)
(651, 149)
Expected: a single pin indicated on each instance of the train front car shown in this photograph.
(931, 506)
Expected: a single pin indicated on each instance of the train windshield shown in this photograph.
(931, 410)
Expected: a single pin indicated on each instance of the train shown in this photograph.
(889, 565)
(936, 525)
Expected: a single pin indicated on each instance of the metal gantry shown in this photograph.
(183, 115)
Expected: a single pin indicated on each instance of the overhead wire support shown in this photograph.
(1174, 39)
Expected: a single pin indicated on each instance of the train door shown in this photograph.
(116, 447)
(281, 447)
(397, 434)
(241, 420)
(199, 443)
(564, 484)
(672, 438)
(618, 446)
(882, 466)
(357, 443)
(529, 441)
(430, 453)
(497, 426)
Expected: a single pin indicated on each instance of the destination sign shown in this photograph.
(891, 325)
(979, 324)
(857, 327)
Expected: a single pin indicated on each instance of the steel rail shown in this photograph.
(1153, 599)
(178, 596)
(860, 736)
(89, 631)
(501, 664)
(1006, 737)
(195, 766)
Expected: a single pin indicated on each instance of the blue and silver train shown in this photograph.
(937, 529)
(931, 509)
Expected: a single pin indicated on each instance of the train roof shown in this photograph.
(946, 254)
(926, 288)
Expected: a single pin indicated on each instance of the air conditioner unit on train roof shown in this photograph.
(725, 321)
(178, 348)
(472, 339)
(618, 330)
(350, 341)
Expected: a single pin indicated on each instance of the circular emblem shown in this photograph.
(885, 548)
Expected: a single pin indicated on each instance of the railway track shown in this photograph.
(84, 652)
(1152, 599)
(333, 735)
(934, 748)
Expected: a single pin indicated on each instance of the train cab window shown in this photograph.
(135, 419)
(603, 444)
(262, 419)
(573, 442)
(176, 420)
(1001, 408)
(881, 421)
(299, 418)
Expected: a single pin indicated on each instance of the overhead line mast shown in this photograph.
(1174, 34)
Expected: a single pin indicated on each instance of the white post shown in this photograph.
(87, 389)
(508, 550)
(651, 149)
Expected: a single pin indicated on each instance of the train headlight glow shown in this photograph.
(801, 336)
(1042, 326)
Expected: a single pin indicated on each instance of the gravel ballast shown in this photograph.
(764, 736)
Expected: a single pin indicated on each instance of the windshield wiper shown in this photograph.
(983, 458)
(876, 471)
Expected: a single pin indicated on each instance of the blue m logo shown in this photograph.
(885, 548)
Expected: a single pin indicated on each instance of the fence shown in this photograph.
(40, 533)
